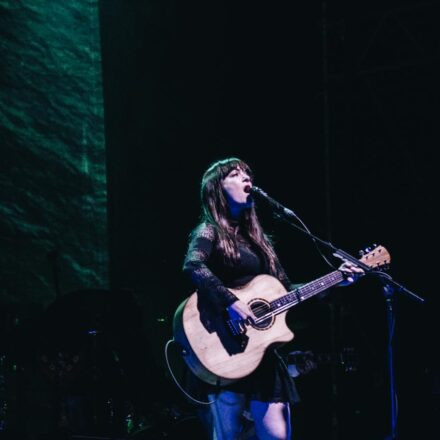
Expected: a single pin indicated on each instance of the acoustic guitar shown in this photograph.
(220, 350)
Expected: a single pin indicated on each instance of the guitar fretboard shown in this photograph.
(305, 292)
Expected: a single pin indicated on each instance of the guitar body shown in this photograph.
(212, 351)
(220, 351)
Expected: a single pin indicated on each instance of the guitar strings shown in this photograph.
(310, 289)
(307, 291)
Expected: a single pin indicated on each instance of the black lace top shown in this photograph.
(211, 276)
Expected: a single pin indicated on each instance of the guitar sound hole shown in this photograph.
(261, 308)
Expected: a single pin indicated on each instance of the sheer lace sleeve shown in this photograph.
(195, 266)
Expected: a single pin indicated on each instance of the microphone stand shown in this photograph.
(389, 287)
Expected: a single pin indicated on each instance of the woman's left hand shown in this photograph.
(351, 272)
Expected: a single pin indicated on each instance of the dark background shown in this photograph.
(335, 113)
(334, 107)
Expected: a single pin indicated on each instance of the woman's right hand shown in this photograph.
(240, 310)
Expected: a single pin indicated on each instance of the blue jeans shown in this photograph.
(227, 418)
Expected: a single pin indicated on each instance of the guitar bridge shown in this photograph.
(236, 326)
(239, 340)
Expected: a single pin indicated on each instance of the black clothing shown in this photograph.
(212, 275)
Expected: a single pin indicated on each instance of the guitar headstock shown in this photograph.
(376, 257)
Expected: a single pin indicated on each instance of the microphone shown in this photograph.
(256, 191)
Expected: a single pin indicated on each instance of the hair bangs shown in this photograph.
(222, 168)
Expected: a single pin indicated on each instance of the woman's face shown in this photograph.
(234, 185)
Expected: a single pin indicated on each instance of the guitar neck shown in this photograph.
(306, 291)
(376, 258)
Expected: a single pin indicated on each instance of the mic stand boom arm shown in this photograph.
(288, 216)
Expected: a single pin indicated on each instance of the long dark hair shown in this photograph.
(215, 212)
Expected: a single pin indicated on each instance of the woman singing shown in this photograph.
(226, 250)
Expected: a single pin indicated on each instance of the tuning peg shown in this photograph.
(367, 249)
(361, 253)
